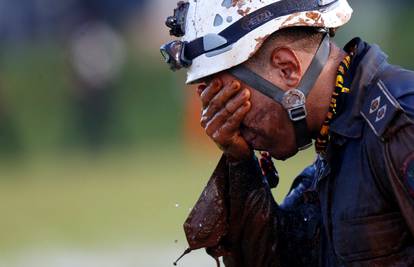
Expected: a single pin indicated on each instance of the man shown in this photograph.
(271, 80)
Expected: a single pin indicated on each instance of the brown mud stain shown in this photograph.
(243, 12)
(290, 18)
(312, 19)
(314, 16)
(259, 43)
(239, 3)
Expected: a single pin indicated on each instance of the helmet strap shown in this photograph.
(293, 100)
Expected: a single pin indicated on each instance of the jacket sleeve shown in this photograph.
(399, 163)
(237, 217)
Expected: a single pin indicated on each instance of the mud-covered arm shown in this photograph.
(253, 217)
(266, 234)
(238, 218)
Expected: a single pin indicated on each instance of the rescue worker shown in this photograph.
(272, 80)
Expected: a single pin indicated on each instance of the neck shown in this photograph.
(320, 97)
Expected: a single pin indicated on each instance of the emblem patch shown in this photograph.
(381, 113)
(408, 171)
(375, 105)
(380, 108)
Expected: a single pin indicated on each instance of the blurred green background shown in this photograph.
(96, 168)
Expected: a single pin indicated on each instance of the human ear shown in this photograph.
(287, 66)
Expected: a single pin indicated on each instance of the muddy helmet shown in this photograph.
(219, 34)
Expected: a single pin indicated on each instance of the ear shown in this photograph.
(287, 66)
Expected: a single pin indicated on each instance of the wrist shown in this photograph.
(240, 159)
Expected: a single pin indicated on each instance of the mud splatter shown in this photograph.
(314, 16)
(238, 3)
(243, 12)
(310, 19)
(259, 43)
(290, 18)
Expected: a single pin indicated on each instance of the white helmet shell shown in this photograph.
(210, 17)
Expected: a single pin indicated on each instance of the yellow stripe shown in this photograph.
(323, 138)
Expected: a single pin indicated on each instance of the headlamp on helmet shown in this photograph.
(173, 54)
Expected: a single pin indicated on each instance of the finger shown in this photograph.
(232, 125)
(211, 126)
(201, 88)
(221, 98)
(212, 89)
(228, 110)
(233, 104)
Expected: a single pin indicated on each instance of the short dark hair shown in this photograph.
(306, 37)
(298, 38)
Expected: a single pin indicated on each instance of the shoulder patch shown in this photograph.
(380, 108)
(408, 173)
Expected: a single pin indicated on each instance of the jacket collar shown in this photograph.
(367, 63)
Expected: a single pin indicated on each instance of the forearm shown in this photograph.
(237, 217)
(253, 218)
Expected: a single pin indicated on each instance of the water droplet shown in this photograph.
(177, 205)
(229, 19)
(200, 225)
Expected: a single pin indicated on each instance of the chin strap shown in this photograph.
(294, 100)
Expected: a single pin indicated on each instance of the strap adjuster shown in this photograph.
(294, 102)
(298, 113)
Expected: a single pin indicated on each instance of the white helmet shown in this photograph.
(220, 34)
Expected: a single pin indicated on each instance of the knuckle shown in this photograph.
(213, 108)
(204, 95)
(230, 107)
(210, 131)
(203, 124)
(217, 138)
(204, 113)
(232, 124)
(233, 119)
(203, 121)
(225, 129)
(234, 87)
(222, 114)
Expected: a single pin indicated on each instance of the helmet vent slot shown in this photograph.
(218, 20)
(227, 3)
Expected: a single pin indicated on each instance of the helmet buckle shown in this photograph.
(294, 102)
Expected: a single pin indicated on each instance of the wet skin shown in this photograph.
(239, 120)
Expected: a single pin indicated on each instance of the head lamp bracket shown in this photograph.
(177, 22)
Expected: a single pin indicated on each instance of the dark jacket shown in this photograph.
(355, 207)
